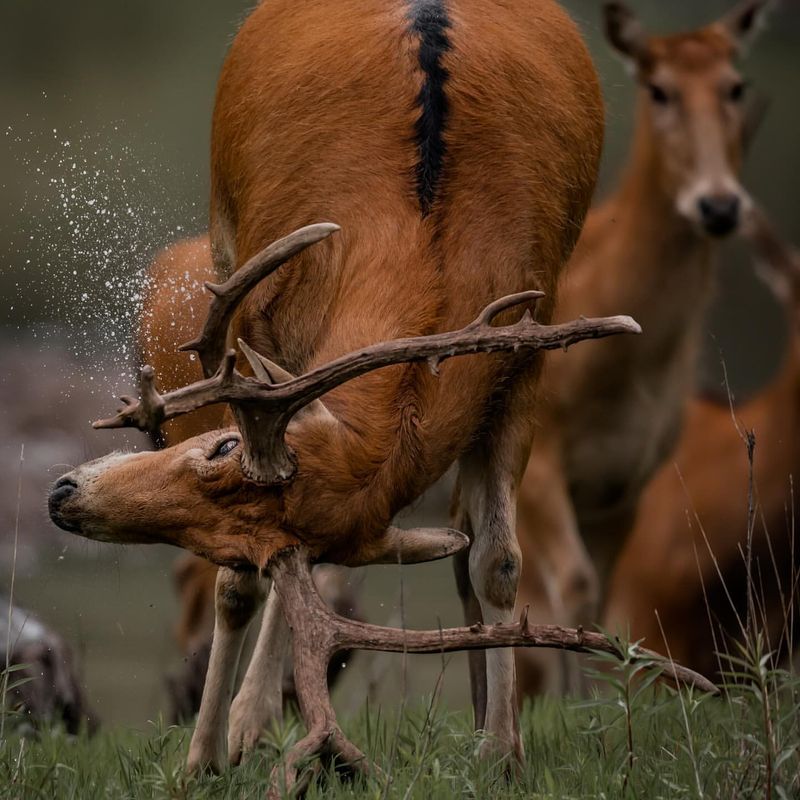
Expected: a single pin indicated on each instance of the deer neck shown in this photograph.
(660, 269)
(355, 471)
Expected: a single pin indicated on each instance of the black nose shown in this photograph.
(720, 213)
(62, 490)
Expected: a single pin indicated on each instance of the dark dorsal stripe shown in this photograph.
(429, 21)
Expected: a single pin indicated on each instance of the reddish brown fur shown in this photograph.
(173, 308)
(315, 121)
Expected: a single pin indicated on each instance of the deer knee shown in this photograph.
(238, 598)
(495, 574)
(580, 591)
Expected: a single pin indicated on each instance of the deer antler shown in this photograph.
(319, 633)
(263, 409)
(210, 345)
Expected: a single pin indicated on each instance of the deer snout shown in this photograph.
(720, 214)
(58, 502)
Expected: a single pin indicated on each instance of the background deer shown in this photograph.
(610, 416)
(46, 682)
(687, 556)
(457, 147)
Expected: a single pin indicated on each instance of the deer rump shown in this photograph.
(496, 211)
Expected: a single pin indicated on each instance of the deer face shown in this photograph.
(194, 495)
(694, 105)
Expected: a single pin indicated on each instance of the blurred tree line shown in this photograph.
(105, 128)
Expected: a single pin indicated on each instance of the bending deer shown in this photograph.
(172, 310)
(457, 145)
(609, 416)
(686, 558)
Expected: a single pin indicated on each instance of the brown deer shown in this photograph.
(609, 416)
(172, 309)
(457, 145)
(687, 556)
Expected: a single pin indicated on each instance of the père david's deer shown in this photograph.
(172, 310)
(687, 556)
(609, 416)
(456, 146)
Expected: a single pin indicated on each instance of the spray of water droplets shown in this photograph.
(94, 213)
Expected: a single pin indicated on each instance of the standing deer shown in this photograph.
(609, 416)
(686, 557)
(456, 145)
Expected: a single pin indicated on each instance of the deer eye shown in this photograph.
(225, 447)
(736, 92)
(658, 94)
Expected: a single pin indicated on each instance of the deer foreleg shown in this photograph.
(560, 582)
(489, 502)
(260, 698)
(239, 595)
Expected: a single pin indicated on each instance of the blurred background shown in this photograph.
(104, 139)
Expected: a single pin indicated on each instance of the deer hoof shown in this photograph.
(246, 725)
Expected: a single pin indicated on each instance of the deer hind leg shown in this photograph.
(559, 580)
(260, 698)
(488, 503)
(472, 613)
(239, 595)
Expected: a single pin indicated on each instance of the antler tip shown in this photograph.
(189, 346)
(104, 424)
(630, 325)
(214, 288)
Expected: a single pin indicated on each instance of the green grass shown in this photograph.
(740, 745)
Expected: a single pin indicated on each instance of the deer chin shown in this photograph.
(243, 552)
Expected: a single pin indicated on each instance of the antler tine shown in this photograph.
(146, 414)
(268, 457)
(211, 343)
(318, 633)
(487, 316)
(153, 409)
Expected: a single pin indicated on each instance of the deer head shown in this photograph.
(222, 495)
(694, 109)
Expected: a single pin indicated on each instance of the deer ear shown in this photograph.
(414, 546)
(625, 34)
(745, 22)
